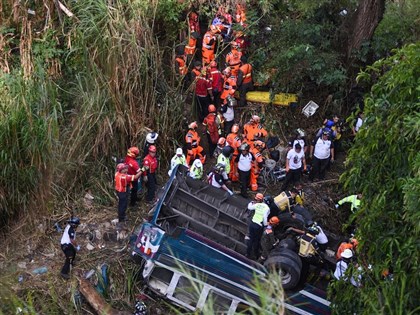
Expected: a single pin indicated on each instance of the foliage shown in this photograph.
(384, 164)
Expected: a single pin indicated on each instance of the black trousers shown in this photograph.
(243, 89)
(255, 233)
(70, 253)
(318, 168)
(244, 180)
(292, 176)
(134, 189)
(228, 126)
(202, 106)
(122, 205)
(212, 146)
(217, 100)
(151, 186)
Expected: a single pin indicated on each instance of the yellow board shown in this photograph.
(281, 99)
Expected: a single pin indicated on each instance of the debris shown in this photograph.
(114, 222)
(98, 234)
(30, 11)
(20, 279)
(40, 270)
(103, 281)
(58, 227)
(22, 264)
(89, 246)
(89, 274)
(65, 10)
(310, 109)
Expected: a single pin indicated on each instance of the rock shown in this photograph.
(21, 264)
(122, 235)
(114, 222)
(89, 246)
(107, 225)
(98, 234)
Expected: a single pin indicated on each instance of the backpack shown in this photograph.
(212, 129)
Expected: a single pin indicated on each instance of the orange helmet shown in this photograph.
(235, 128)
(133, 152)
(227, 71)
(121, 166)
(213, 64)
(259, 197)
(152, 149)
(354, 242)
(212, 108)
(274, 221)
(193, 125)
(256, 118)
(222, 141)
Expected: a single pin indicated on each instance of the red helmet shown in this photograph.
(235, 128)
(193, 125)
(121, 166)
(259, 197)
(133, 152)
(212, 108)
(152, 149)
(213, 64)
(222, 141)
(274, 221)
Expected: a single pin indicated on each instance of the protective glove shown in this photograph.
(336, 205)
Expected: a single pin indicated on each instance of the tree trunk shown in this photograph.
(365, 20)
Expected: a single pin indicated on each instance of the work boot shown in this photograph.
(65, 276)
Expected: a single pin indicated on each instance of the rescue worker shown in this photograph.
(217, 80)
(268, 240)
(244, 160)
(213, 128)
(240, 15)
(177, 159)
(209, 44)
(258, 164)
(244, 82)
(224, 158)
(151, 139)
(182, 64)
(192, 140)
(357, 124)
(351, 245)
(316, 232)
(216, 179)
(69, 246)
(298, 138)
(133, 169)
(253, 130)
(258, 222)
(220, 145)
(193, 23)
(191, 47)
(242, 42)
(233, 59)
(122, 181)
(322, 151)
(196, 170)
(354, 200)
(342, 266)
(234, 142)
(150, 163)
(295, 159)
(229, 85)
(203, 90)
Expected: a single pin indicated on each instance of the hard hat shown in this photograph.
(211, 108)
(152, 149)
(213, 64)
(193, 125)
(274, 220)
(227, 150)
(152, 137)
(354, 241)
(197, 163)
(133, 151)
(227, 71)
(256, 118)
(235, 128)
(347, 253)
(121, 166)
(219, 168)
(74, 221)
(259, 197)
(197, 63)
(221, 141)
(268, 200)
(179, 151)
(244, 146)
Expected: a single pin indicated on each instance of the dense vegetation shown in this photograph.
(76, 91)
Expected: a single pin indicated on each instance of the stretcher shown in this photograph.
(281, 99)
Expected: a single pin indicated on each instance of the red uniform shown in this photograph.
(151, 162)
(193, 23)
(133, 165)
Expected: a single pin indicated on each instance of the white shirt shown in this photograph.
(229, 115)
(321, 238)
(340, 270)
(359, 124)
(322, 149)
(245, 162)
(65, 239)
(295, 159)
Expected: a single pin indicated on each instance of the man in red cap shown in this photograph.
(150, 163)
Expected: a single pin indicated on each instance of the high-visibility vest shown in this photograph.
(122, 181)
(260, 210)
(225, 161)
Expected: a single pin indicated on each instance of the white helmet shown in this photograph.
(152, 137)
(179, 151)
(347, 253)
(197, 163)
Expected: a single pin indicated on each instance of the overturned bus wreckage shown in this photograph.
(192, 252)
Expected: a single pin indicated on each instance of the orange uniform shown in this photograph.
(190, 48)
(182, 66)
(246, 74)
(193, 146)
(256, 168)
(252, 131)
(234, 142)
(209, 44)
(233, 60)
(240, 15)
(229, 87)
